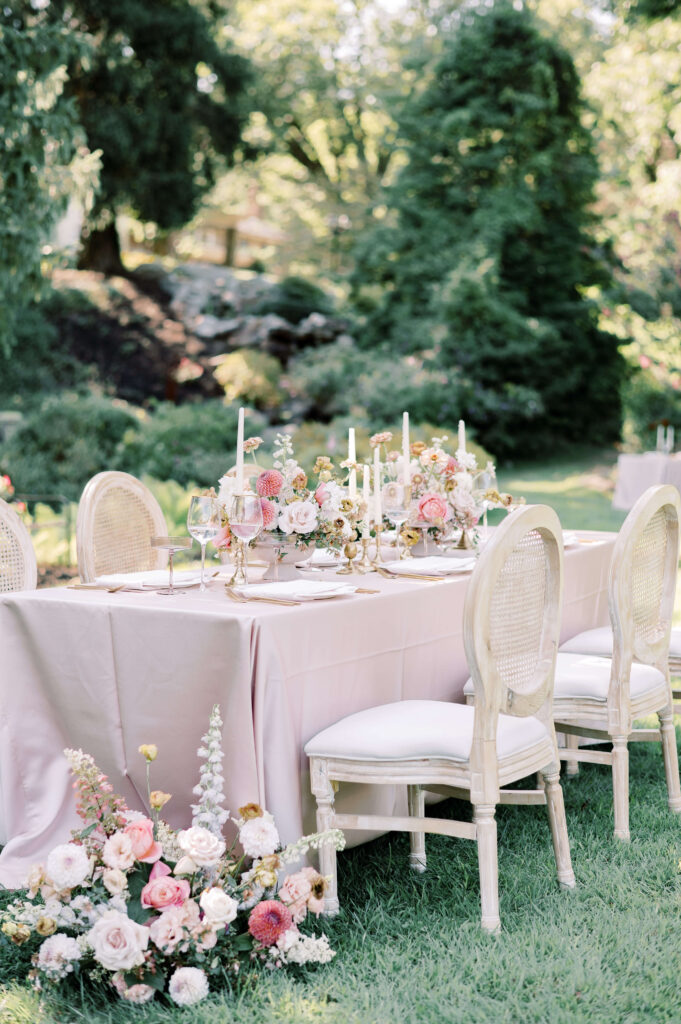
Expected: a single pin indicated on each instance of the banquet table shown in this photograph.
(107, 672)
(636, 473)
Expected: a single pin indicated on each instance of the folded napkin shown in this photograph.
(297, 590)
(321, 557)
(153, 579)
(432, 565)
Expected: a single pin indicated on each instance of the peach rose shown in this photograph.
(141, 835)
(432, 507)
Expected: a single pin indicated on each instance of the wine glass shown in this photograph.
(245, 522)
(396, 498)
(203, 523)
(171, 545)
(484, 482)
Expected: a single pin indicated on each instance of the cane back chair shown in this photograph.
(18, 570)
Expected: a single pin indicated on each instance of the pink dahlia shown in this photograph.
(269, 513)
(269, 483)
(268, 921)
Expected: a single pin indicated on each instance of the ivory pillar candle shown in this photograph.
(378, 509)
(240, 454)
(406, 455)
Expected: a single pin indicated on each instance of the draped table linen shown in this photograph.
(108, 672)
(636, 473)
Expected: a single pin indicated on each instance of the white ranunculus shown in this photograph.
(67, 866)
(188, 985)
(204, 848)
(298, 517)
(117, 942)
(56, 955)
(218, 907)
(259, 837)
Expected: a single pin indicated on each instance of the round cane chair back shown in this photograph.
(18, 570)
(117, 518)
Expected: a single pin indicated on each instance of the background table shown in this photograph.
(107, 672)
(636, 473)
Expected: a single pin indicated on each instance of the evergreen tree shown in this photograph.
(160, 98)
(489, 253)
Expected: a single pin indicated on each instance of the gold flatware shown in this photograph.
(407, 575)
(95, 586)
(242, 599)
(365, 590)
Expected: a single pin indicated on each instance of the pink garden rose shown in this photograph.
(269, 483)
(433, 507)
(163, 890)
(321, 494)
(141, 835)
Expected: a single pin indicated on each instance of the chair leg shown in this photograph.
(488, 866)
(620, 786)
(417, 840)
(324, 794)
(571, 742)
(671, 760)
(559, 833)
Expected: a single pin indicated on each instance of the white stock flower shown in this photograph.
(296, 948)
(57, 954)
(259, 836)
(204, 848)
(117, 942)
(188, 985)
(218, 907)
(298, 517)
(67, 866)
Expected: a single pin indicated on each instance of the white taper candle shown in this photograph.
(240, 454)
(366, 498)
(378, 510)
(406, 455)
(462, 436)
(352, 457)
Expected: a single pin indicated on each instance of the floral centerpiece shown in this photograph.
(146, 911)
(296, 511)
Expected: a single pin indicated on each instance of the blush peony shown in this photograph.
(433, 507)
(298, 517)
(57, 955)
(188, 985)
(141, 835)
(268, 921)
(269, 483)
(67, 866)
(118, 943)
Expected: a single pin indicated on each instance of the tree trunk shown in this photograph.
(101, 251)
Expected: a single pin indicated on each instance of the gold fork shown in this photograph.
(95, 586)
(241, 599)
(406, 575)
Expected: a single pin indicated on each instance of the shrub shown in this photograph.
(251, 377)
(63, 442)
(294, 298)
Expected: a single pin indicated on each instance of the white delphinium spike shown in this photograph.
(209, 811)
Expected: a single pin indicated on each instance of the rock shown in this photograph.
(209, 327)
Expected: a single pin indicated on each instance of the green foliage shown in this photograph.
(159, 96)
(294, 298)
(37, 141)
(250, 377)
(64, 442)
(488, 250)
(190, 444)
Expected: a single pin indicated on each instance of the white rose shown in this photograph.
(185, 866)
(67, 866)
(204, 848)
(259, 837)
(117, 942)
(114, 881)
(227, 491)
(188, 985)
(218, 907)
(117, 852)
(298, 517)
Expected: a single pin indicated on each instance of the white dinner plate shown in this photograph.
(154, 579)
(297, 590)
(432, 565)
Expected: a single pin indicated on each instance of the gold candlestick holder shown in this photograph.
(239, 578)
(465, 542)
(378, 557)
(365, 564)
(350, 551)
(409, 537)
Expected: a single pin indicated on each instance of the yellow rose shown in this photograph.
(158, 799)
(250, 811)
(148, 751)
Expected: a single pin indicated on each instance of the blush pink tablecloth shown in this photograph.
(107, 672)
(636, 473)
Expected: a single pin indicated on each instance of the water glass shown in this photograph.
(203, 523)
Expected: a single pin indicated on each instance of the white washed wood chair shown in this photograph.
(511, 628)
(18, 569)
(599, 698)
(117, 517)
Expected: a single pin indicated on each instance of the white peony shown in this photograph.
(219, 908)
(118, 853)
(204, 848)
(259, 836)
(57, 954)
(67, 866)
(298, 517)
(117, 942)
(188, 985)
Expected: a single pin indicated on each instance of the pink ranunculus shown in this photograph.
(321, 494)
(269, 483)
(268, 920)
(432, 507)
(295, 892)
(269, 513)
(223, 538)
(141, 835)
(164, 892)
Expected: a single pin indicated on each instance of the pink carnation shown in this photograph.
(141, 835)
(269, 513)
(269, 483)
(432, 507)
(268, 921)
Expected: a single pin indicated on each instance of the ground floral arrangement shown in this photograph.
(135, 906)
